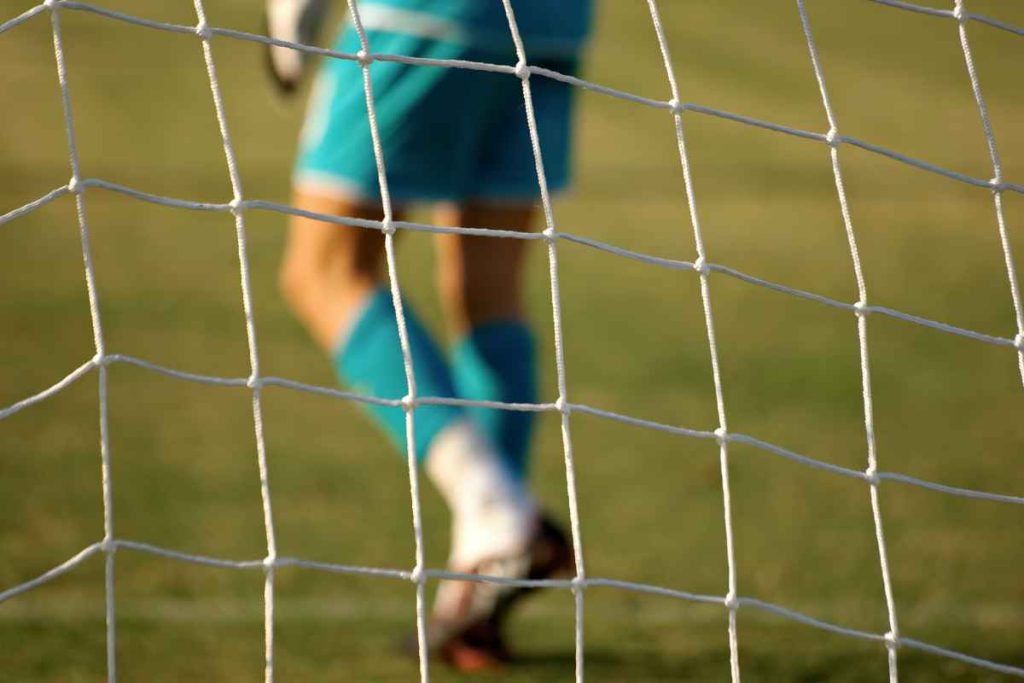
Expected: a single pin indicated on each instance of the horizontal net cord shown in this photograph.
(397, 225)
(24, 16)
(82, 184)
(991, 184)
(441, 574)
(951, 14)
(457, 63)
(72, 377)
(34, 204)
(676, 107)
(406, 402)
(860, 309)
(673, 264)
(51, 574)
(960, 656)
(567, 407)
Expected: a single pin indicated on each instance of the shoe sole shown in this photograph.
(479, 646)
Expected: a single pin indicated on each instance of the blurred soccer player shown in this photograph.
(457, 139)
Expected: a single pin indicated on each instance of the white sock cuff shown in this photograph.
(457, 450)
(492, 511)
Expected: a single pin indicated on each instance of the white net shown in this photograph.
(702, 266)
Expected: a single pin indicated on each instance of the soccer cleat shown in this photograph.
(467, 627)
(296, 21)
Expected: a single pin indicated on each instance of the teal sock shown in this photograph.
(370, 362)
(497, 362)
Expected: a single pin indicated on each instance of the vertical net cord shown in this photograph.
(254, 381)
(409, 401)
(834, 139)
(108, 545)
(702, 269)
(550, 233)
(959, 12)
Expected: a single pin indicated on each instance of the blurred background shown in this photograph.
(947, 409)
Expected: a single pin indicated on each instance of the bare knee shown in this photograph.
(327, 268)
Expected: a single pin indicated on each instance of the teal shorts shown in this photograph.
(448, 134)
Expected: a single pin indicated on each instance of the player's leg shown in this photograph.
(333, 275)
(480, 280)
(493, 516)
(429, 145)
(328, 270)
(334, 280)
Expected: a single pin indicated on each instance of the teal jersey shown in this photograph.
(548, 27)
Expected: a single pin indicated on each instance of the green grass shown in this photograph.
(184, 468)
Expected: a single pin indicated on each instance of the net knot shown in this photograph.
(833, 138)
(408, 402)
(721, 435)
(522, 71)
(871, 476)
(101, 360)
(51, 4)
(561, 405)
(732, 602)
(996, 184)
(892, 640)
(364, 58)
(270, 561)
(577, 584)
(108, 546)
(958, 12)
(203, 30)
(861, 309)
(254, 382)
(676, 106)
(1018, 341)
(387, 227)
(75, 185)
(549, 234)
(701, 266)
(417, 575)
(235, 205)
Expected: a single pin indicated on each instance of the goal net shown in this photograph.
(677, 111)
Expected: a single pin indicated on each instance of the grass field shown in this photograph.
(948, 409)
